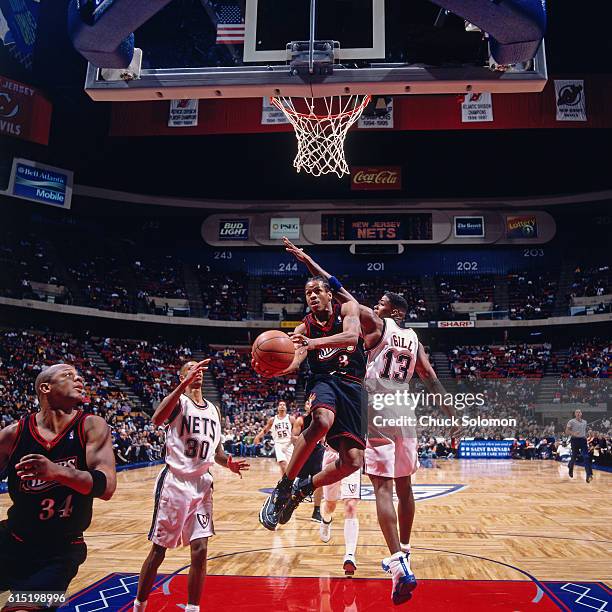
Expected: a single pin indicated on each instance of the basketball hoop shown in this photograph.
(321, 125)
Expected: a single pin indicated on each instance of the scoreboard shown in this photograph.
(381, 226)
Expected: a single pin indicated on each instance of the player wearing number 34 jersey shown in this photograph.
(57, 461)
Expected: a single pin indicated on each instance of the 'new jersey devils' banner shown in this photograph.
(24, 112)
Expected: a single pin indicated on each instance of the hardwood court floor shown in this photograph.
(509, 516)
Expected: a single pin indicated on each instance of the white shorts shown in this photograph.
(283, 451)
(347, 488)
(392, 458)
(183, 509)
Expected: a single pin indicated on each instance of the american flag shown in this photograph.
(230, 26)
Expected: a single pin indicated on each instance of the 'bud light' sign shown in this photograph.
(41, 183)
(234, 229)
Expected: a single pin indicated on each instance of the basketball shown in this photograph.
(274, 350)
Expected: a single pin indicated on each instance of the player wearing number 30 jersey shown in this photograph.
(183, 510)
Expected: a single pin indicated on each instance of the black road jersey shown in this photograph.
(47, 511)
(348, 362)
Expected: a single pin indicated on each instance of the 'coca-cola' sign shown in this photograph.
(385, 178)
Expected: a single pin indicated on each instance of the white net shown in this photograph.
(320, 126)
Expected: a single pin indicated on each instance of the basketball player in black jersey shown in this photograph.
(57, 460)
(330, 339)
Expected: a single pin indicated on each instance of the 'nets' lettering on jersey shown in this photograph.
(198, 425)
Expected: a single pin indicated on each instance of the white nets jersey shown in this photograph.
(392, 360)
(192, 438)
(281, 430)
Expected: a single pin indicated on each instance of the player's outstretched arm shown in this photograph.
(229, 462)
(296, 428)
(8, 437)
(341, 294)
(349, 336)
(100, 480)
(166, 407)
(264, 431)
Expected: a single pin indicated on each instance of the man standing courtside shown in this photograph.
(577, 428)
(57, 461)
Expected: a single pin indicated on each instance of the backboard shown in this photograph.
(239, 48)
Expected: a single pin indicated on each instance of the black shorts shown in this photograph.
(349, 403)
(38, 566)
(314, 463)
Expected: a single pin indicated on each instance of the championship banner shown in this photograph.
(377, 114)
(376, 178)
(459, 324)
(41, 183)
(521, 226)
(477, 108)
(270, 115)
(485, 449)
(570, 100)
(234, 229)
(183, 113)
(24, 112)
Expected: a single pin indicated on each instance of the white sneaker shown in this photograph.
(404, 581)
(350, 565)
(325, 530)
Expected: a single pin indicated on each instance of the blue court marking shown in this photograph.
(137, 466)
(582, 595)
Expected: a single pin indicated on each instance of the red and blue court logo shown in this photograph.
(117, 591)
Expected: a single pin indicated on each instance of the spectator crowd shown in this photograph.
(126, 378)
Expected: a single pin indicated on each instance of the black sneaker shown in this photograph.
(316, 515)
(301, 489)
(349, 566)
(269, 513)
(571, 471)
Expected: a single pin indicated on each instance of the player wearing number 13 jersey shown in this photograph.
(57, 460)
(183, 509)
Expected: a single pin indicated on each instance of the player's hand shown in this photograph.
(262, 370)
(237, 466)
(301, 341)
(37, 467)
(195, 371)
(295, 251)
